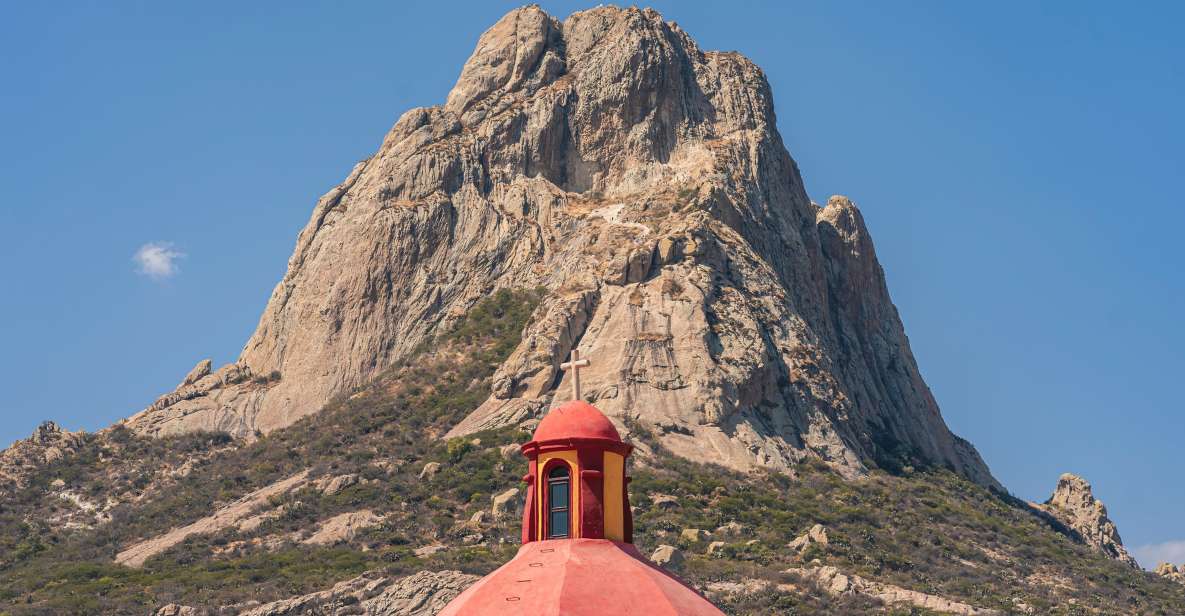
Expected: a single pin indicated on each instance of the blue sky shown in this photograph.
(1018, 164)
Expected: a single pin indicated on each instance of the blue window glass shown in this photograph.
(558, 524)
(558, 496)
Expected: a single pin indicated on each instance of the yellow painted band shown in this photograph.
(614, 507)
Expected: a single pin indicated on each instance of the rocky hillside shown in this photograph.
(362, 508)
(642, 183)
(598, 183)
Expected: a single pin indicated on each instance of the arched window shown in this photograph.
(558, 496)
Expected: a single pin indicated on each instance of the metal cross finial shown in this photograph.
(575, 365)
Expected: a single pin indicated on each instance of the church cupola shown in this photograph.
(578, 557)
(576, 478)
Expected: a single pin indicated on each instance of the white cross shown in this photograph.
(575, 365)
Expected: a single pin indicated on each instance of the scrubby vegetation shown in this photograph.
(926, 530)
(929, 531)
(383, 433)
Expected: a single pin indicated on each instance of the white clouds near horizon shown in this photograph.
(157, 260)
(1153, 554)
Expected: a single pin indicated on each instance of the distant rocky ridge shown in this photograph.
(1073, 504)
(643, 183)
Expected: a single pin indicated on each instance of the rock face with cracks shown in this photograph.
(642, 183)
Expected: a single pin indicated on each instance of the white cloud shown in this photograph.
(1153, 554)
(157, 260)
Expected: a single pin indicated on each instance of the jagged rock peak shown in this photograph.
(642, 182)
(1073, 503)
(523, 50)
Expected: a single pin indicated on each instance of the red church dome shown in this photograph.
(579, 577)
(578, 557)
(575, 419)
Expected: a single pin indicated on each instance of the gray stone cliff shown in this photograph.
(642, 182)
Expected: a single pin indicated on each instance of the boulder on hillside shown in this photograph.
(732, 529)
(694, 535)
(817, 535)
(505, 504)
(429, 471)
(667, 556)
(479, 518)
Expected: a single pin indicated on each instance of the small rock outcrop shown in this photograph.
(1073, 504)
(200, 370)
(479, 518)
(429, 471)
(816, 536)
(505, 504)
(1170, 571)
(48, 444)
(226, 400)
